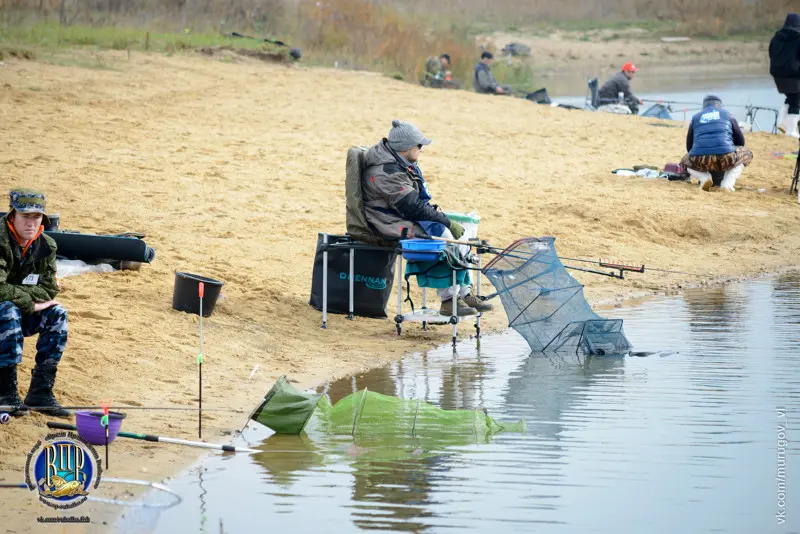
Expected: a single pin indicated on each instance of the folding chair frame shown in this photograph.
(423, 315)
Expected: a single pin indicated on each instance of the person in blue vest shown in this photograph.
(715, 143)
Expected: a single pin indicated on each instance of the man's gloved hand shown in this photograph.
(456, 229)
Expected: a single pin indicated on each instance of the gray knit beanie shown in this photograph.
(405, 136)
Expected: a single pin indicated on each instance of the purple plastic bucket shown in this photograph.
(90, 429)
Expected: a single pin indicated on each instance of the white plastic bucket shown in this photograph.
(470, 222)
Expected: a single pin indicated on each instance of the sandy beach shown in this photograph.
(231, 168)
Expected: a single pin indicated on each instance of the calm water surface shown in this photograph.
(736, 90)
(686, 439)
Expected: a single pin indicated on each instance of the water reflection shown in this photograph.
(574, 83)
(689, 437)
(381, 379)
(394, 495)
(546, 387)
(202, 499)
(686, 92)
(284, 457)
(787, 309)
(393, 480)
(715, 311)
(463, 382)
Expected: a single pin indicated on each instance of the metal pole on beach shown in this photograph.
(352, 274)
(454, 315)
(399, 316)
(200, 291)
(478, 285)
(424, 306)
(325, 281)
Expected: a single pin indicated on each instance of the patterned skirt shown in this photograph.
(718, 162)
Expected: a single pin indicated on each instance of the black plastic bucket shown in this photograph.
(55, 219)
(186, 298)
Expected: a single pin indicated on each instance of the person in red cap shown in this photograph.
(619, 84)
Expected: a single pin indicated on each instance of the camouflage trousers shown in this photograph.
(718, 162)
(50, 324)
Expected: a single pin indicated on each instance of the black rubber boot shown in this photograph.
(40, 393)
(9, 396)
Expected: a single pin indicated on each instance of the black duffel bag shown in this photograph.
(373, 274)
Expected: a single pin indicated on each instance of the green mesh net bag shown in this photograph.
(374, 417)
(284, 409)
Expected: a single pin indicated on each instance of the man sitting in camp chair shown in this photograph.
(396, 198)
(608, 96)
(484, 81)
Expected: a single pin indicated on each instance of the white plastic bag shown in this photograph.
(75, 267)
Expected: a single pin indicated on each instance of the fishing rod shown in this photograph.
(612, 265)
(681, 103)
(638, 268)
(751, 111)
(612, 275)
(677, 102)
(622, 267)
(161, 439)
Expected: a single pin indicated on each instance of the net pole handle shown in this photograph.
(455, 241)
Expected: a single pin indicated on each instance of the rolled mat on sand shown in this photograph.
(93, 247)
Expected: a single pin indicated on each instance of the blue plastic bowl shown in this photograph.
(422, 249)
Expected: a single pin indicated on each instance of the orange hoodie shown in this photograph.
(22, 243)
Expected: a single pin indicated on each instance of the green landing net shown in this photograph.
(374, 416)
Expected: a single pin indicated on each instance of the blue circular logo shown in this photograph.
(63, 468)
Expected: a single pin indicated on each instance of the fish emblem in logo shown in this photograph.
(64, 467)
(58, 488)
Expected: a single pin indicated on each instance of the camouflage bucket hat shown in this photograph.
(28, 201)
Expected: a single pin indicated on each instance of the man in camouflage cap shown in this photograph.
(28, 287)
(437, 73)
